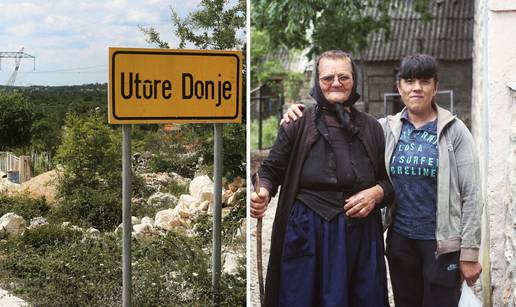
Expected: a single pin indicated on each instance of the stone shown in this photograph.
(43, 185)
(93, 232)
(147, 220)
(189, 202)
(201, 188)
(226, 211)
(183, 210)
(167, 219)
(156, 182)
(37, 222)
(226, 195)
(231, 263)
(203, 206)
(233, 199)
(160, 199)
(143, 230)
(11, 225)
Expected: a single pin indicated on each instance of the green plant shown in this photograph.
(16, 118)
(72, 270)
(24, 206)
(269, 132)
(89, 186)
(91, 207)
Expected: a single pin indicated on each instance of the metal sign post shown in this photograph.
(126, 216)
(217, 211)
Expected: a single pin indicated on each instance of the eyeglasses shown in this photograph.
(328, 80)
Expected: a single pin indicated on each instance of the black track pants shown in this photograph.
(418, 278)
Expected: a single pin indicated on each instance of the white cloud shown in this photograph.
(65, 34)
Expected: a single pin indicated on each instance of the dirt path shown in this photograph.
(266, 243)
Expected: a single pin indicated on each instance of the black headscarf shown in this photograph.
(337, 108)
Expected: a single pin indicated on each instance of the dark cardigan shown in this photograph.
(284, 168)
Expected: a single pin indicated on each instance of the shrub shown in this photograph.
(88, 207)
(191, 149)
(90, 184)
(23, 205)
(48, 236)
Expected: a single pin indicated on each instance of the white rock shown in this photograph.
(179, 179)
(167, 219)
(11, 225)
(147, 220)
(233, 198)
(142, 230)
(93, 232)
(37, 222)
(231, 264)
(183, 210)
(159, 199)
(201, 188)
(188, 201)
(204, 206)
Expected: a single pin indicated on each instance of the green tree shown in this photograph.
(217, 24)
(326, 24)
(15, 120)
(214, 26)
(89, 185)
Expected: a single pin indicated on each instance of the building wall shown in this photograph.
(494, 129)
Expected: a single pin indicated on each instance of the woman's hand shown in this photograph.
(470, 271)
(293, 113)
(259, 203)
(363, 202)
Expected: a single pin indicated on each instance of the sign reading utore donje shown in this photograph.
(174, 86)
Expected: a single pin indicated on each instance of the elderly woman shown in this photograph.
(430, 157)
(327, 244)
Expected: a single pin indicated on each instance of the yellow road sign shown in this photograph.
(174, 86)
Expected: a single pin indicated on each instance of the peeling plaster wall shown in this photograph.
(494, 129)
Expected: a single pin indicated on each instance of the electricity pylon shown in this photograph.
(17, 58)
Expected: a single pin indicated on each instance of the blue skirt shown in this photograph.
(333, 263)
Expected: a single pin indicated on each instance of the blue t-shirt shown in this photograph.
(413, 169)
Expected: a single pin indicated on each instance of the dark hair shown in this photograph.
(418, 66)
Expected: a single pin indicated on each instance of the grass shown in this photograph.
(55, 266)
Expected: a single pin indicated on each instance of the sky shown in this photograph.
(70, 39)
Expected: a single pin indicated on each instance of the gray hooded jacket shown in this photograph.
(459, 199)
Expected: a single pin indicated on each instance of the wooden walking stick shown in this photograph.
(259, 246)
